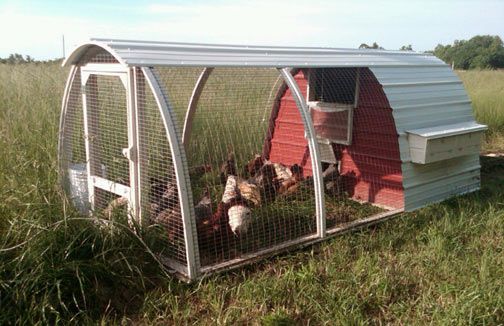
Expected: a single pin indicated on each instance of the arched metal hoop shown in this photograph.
(181, 172)
(63, 125)
(193, 103)
(313, 146)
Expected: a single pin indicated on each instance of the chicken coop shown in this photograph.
(232, 153)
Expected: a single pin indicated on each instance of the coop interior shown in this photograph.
(248, 160)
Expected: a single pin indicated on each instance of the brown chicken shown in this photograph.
(291, 184)
(203, 209)
(199, 171)
(265, 179)
(254, 165)
(228, 168)
(163, 194)
(171, 219)
(215, 232)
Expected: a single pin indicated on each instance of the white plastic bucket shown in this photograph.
(79, 193)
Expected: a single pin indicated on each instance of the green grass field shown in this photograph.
(443, 264)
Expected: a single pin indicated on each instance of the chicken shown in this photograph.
(274, 178)
(203, 208)
(157, 188)
(163, 194)
(198, 171)
(228, 168)
(239, 218)
(230, 189)
(215, 230)
(291, 185)
(332, 179)
(250, 192)
(282, 172)
(114, 205)
(297, 172)
(254, 165)
(265, 179)
(171, 219)
(165, 208)
(237, 187)
(238, 195)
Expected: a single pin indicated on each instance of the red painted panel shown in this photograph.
(288, 144)
(372, 163)
(371, 166)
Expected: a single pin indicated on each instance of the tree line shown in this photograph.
(17, 58)
(479, 52)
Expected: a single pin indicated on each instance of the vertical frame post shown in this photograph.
(314, 149)
(132, 152)
(141, 154)
(181, 172)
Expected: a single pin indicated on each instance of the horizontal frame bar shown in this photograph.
(110, 186)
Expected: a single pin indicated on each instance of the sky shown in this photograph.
(35, 28)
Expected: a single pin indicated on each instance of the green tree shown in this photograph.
(375, 46)
(480, 52)
(406, 48)
(17, 58)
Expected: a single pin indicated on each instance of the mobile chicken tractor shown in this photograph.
(233, 153)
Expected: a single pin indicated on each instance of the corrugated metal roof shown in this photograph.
(145, 53)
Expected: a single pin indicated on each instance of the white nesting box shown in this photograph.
(443, 142)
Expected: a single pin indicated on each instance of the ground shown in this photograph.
(441, 264)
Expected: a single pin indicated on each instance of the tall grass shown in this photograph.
(442, 264)
(54, 265)
(486, 90)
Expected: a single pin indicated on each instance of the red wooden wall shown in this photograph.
(287, 144)
(371, 166)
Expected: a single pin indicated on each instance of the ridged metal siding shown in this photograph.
(425, 97)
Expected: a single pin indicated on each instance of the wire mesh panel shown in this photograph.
(160, 200)
(107, 134)
(357, 138)
(243, 202)
(72, 148)
(179, 83)
(96, 54)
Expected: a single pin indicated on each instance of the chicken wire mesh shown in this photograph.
(96, 54)
(159, 197)
(105, 112)
(353, 121)
(107, 133)
(243, 203)
(72, 150)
